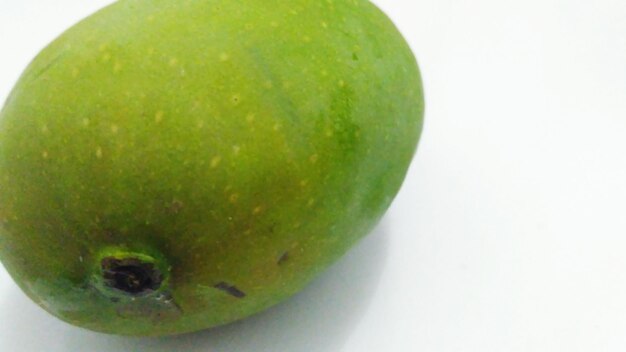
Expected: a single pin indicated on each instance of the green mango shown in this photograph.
(168, 166)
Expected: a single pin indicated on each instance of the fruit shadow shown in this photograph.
(318, 319)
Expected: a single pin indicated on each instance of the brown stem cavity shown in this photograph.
(131, 276)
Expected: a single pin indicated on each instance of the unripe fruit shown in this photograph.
(169, 166)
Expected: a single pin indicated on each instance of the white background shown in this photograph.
(510, 231)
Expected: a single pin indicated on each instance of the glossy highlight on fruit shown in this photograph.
(169, 166)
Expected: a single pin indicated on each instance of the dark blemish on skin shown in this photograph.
(283, 258)
(231, 290)
(48, 66)
(115, 299)
(355, 57)
(175, 207)
(107, 234)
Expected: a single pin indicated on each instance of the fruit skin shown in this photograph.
(240, 146)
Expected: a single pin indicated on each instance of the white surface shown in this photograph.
(509, 234)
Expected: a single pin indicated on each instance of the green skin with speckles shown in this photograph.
(239, 147)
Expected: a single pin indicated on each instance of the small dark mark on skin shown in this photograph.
(175, 207)
(283, 258)
(47, 67)
(107, 234)
(115, 299)
(231, 290)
